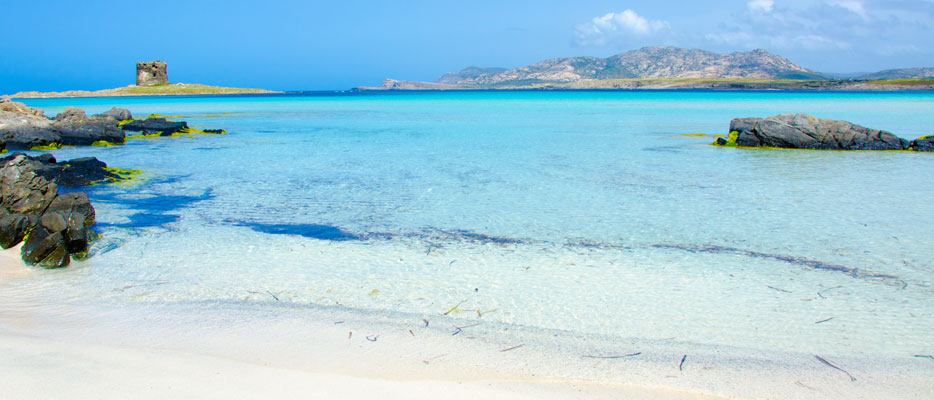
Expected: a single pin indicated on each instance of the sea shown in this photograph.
(584, 227)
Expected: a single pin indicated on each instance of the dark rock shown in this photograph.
(27, 136)
(802, 131)
(22, 191)
(152, 125)
(46, 249)
(72, 173)
(70, 113)
(117, 114)
(214, 131)
(924, 143)
(84, 132)
(55, 226)
(69, 204)
(14, 227)
(53, 222)
(77, 234)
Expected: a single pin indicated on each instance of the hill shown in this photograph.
(647, 62)
(904, 73)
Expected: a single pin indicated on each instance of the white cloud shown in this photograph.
(614, 27)
(852, 6)
(763, 6)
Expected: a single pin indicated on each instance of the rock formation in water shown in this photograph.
(151, 73)
(161, 126)
(23, 127)
(55, 226)
(802, 131)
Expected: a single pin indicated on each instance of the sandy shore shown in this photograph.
(38, 367)
(41, 369)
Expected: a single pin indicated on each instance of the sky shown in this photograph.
(334, 45)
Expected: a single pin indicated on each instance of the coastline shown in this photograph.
(171, 89)
(718, 84)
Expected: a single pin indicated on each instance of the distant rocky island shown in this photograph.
(668, 68)
(152, 79)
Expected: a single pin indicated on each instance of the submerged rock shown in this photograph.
(802, 131)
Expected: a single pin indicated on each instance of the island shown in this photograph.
(668, 68)
(151, 80)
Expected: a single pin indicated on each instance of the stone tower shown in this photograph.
(151, 73)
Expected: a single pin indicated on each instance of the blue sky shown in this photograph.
(305, 45)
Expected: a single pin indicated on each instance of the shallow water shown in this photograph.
(589, 213)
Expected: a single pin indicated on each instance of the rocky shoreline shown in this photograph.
(802, 131)
(57, 227)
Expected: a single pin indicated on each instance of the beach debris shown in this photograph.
(821, 295)
(612, 357)
(924, 356)
(338, 322)
(455, 308)
(452, 262)
(349, 335)
(803, 385)
(480, 313)
(512, 348)
(274, 295)
(434, 358)
(140, 285)
(456, 331)
(413, 333)
(827, 363)
(681, 366)
(426, 321)
(823, 320)
(778, 289)
(372, 338)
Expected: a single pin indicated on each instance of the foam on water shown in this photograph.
(587, 213)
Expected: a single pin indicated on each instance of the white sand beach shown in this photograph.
(42, 368)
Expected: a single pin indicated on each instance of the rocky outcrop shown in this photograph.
(25, 128)
(55, 227)
(71, 113)
(69, 174)
(802, 131)
(924, 143)
(151, 126)
(19, 108)
(116, 114)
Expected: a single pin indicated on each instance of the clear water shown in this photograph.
(583, 212)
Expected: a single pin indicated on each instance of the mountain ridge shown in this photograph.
(646, 62)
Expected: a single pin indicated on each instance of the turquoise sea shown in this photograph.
(568, 219)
